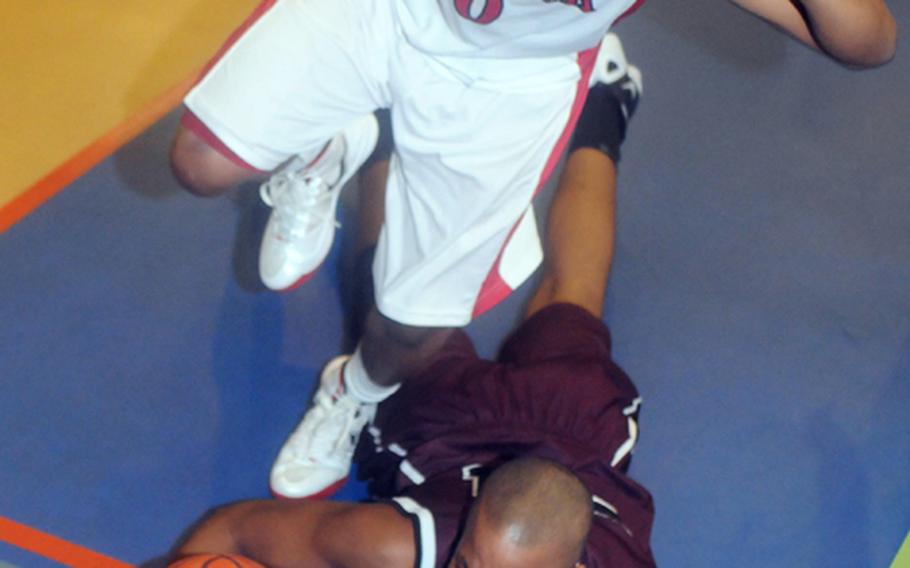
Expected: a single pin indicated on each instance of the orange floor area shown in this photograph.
(72, 71)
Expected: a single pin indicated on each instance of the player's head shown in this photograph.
(531, 512)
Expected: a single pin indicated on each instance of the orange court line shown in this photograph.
(54, 548)
(91, 155)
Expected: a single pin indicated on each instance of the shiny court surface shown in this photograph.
(74, 70)
(759, 299)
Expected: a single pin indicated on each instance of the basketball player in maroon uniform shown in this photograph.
(518, 462)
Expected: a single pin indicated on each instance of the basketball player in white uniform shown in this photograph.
(483, 95)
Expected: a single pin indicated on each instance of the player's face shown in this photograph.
(481, 546)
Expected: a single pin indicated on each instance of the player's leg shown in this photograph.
(456, 190)
(393, 352)
(371, 182)
(468, 162)
(202, 169)
(346, 388)
(408, 346)
(294, 88)
(580, 226)
(304, 198)
(334, 442)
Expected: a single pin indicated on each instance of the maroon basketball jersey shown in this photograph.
(554, 393)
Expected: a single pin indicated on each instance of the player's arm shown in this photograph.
(581, 221)
(580, 234)
(856, 32)
(311, 534)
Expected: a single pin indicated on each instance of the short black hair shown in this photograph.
(538, 501)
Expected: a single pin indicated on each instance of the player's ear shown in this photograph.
(579, 565)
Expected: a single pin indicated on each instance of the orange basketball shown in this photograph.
(215, 561)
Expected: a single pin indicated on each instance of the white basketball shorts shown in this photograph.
(471, 149)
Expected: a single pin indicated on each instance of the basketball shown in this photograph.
(215, 561)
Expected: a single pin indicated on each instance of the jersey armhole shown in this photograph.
(424, 530)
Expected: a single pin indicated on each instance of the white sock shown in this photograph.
(358, 384)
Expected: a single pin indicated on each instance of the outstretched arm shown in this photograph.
(581, 222)
(580, 227)
(311, 534)
(862, 33)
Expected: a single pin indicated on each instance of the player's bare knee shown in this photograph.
(201, 169)
(190, 170)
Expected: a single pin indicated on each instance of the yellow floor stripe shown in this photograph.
(902, 560)
(74, 70)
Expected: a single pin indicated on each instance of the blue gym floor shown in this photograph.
(760, 298)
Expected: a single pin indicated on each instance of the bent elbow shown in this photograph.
(875, 53)
(889, 45)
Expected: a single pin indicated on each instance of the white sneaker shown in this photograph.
(315, 461)
(302, 225)
(611, 68)
(611, 64)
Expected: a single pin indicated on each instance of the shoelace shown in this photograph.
(301, 203)
(332, 427)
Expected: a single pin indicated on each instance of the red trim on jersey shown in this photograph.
(195, 125)
(192, 122)
(235, 36)
(494, 288)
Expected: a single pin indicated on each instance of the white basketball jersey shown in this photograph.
(507, 28)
